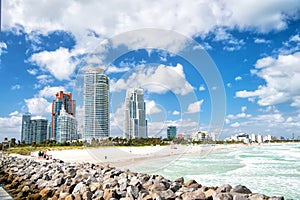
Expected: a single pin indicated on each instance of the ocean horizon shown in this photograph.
(270, 169)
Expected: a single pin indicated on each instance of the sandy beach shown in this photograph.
(131, 157)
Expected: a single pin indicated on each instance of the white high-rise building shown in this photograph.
(135, 123)
(66, 127)
(96, 104)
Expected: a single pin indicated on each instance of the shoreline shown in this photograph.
(126, 157)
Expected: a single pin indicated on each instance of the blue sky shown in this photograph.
(254, 46)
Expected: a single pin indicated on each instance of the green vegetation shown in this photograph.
(23, 149)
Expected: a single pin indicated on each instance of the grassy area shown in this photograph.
(27, 150)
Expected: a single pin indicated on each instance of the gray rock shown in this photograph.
(223, 196)
(98, 194)
(143, 193)
(193, 195)
(257, 196)
(59, 182)
(179, 180)
(276, 198)
(239, 196)
(158, 186)
(224, 188)
(132, 192)
(78, 187)
(63, 195)
(241, 189)
(94, 186)
(169, 194)
(134, 181)
(175, 187)
(87, 195)
(25, 188)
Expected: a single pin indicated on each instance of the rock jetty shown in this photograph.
(34, 179)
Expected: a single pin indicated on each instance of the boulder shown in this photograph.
(276, 198)
(157, 186)
(132, 192)
(193, 195)
(46, 192)
(224, 188)
(241, 189)
(223, 196)
(179, 180)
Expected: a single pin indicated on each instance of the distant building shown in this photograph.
(66, 127)
(135, 123)
(253, 137)
(25, 132)
(201, 136)
(259, 139)
(171, 132)
(96, 104)
(62, 99)
(33, 130)
(243, 137)
(38, 130)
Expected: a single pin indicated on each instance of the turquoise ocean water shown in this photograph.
(272, 169)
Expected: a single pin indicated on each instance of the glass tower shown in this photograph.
(135, 123)
(66, 127)
(171, 132)
(96, 104)
(69, 105)
(25, 133)
(38, 130)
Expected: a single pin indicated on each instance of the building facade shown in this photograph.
(62, 99)
(171, 132)
(25, 132)
(96, 104)
(66, 127)
(135, 123)
(38, 130)
(33, 130)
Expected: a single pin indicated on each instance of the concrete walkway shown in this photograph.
(4, 195)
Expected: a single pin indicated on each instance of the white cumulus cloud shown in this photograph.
(58, 62)
(50, 92)
(195, 107)
(282, 75)
(235, 124)
(159, 80)
(175, 112)
(238, 78)
(10, 126)
(152, 107)
(38, 106)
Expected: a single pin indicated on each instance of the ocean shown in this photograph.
(272, 169)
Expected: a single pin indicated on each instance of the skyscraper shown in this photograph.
(96, 104)
(69, 105)
(135, 123)
(171, 132)
(38, 130)
(25, 133)
(66, 127)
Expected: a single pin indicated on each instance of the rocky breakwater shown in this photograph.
(30, 179)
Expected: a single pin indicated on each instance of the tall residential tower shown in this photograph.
(62, 99)
(66, 127)
(96, 104)
(33, 130)
(25, 134)
(135, 123)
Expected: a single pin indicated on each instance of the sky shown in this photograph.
(221, 66)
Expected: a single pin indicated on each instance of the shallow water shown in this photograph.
(272, 169)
